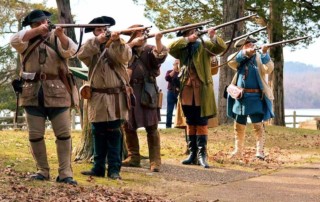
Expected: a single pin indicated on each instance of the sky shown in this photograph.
(126, 13)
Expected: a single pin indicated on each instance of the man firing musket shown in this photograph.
(249, 93)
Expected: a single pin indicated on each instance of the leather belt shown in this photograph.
(252, 90)
(108, 90)
(43, 76)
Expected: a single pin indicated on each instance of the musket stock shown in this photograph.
(226, 24)
(245, 35)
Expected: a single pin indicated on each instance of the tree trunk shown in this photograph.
(276, 80)
(85, 148)
(232, 9)
(65, 17)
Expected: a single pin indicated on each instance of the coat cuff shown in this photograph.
(162, 54)
(265, 58)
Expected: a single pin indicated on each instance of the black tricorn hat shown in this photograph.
(35, 16)
(100, 20)
(241, 42)
(182, 32)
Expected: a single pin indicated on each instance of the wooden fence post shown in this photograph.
(294, 119)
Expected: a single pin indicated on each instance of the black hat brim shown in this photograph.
(35, 16)
(182, 32)
(100, 20)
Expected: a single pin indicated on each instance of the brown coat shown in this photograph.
(141, 116)
(102, 106)
(55, 93)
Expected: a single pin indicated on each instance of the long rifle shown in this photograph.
(245, 35)
(201, 32)
(125, 31)
(284, 41)
(190, 26)
(54, 26)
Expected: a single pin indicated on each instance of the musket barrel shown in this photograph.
(190, 26)
(287, 41)
(135, 29)
(245, 35)
(233, 21)
(228, 23)
(80, 25)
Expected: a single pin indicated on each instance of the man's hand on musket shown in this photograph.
(139, 41)
(264, 49)
(211, 32)
(249, 52)
(115, 36)
(43, 29)
(102, 37)
(59, 32)
(159, 45)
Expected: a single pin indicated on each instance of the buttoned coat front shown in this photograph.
(54, 91)
(104, 107)
(201, 60)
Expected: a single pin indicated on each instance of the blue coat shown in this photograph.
(251, 74)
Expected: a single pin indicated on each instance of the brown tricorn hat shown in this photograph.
(132, 34)
(241, 42)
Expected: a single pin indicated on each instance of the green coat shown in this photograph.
(201, 60)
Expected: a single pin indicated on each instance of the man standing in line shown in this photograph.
(44, 95)
(252, 68)
(172, 91)
(143, 70)
(107, 106)
(196, 87)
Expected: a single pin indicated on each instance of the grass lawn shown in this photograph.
(285, 147)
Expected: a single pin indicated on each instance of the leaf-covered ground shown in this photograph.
(285, 147)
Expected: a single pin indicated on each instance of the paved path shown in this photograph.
(300, 184)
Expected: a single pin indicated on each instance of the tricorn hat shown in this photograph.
(241, 42)
(182, 32)
(131, 32)
(100, 20)
(35, 16)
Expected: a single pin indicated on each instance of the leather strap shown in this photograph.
(252, 90)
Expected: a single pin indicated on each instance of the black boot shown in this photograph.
(202, 150)
(114, 153)
(99, 154)
(192, 146)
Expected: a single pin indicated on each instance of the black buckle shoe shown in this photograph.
(115, 176)
(67, 180)
(92, 173)
(39, 177)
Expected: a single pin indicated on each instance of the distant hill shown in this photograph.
(301, 84)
